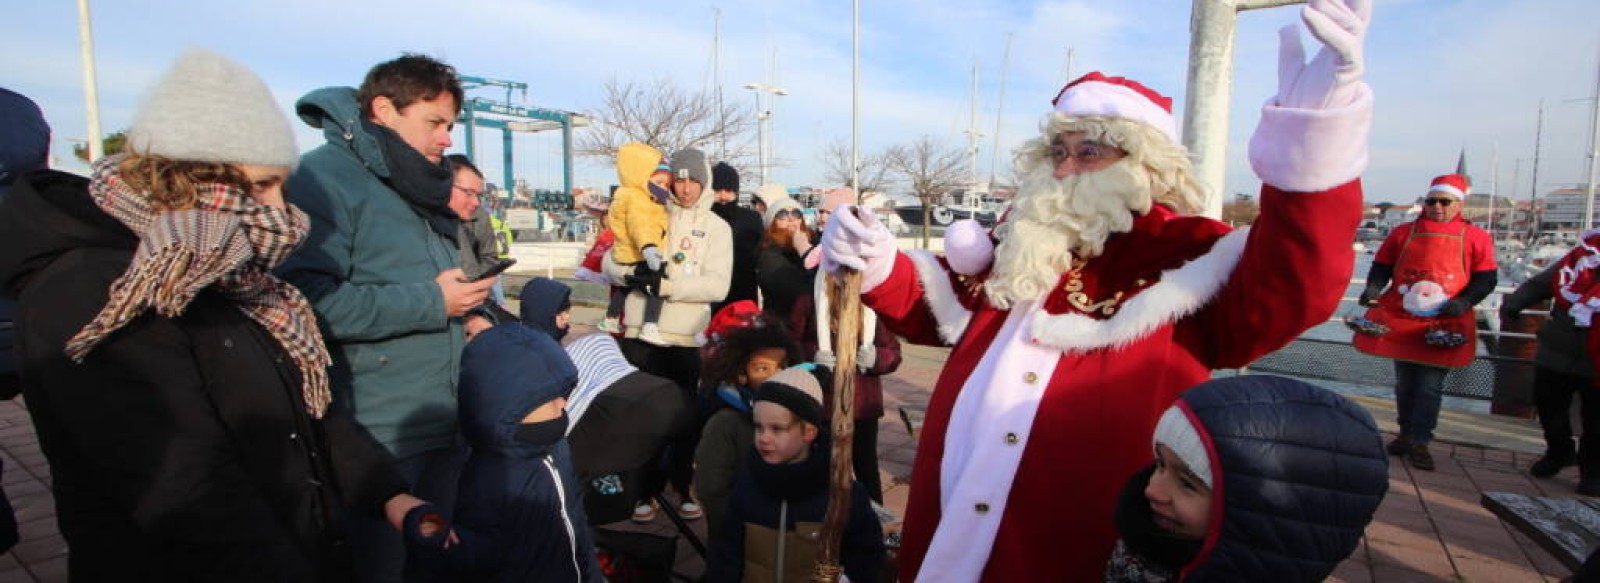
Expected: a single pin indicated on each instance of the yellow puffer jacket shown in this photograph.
(635, 215)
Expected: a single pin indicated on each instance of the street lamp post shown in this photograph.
(763, 118)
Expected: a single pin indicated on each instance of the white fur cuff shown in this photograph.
(1312, 150)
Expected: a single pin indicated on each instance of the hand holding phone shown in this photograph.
(493, 270)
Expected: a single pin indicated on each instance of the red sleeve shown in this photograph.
(899, 304)
(1294, 268)
(1482, 250)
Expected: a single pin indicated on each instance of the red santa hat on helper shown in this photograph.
(1452, 185)
(1096, 95)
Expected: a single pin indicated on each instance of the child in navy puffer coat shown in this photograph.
(518, 516)
(1257, 478)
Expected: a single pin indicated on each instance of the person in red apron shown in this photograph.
(1439, 267)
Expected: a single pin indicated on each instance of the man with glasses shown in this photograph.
(1435, 269)
(1102, 301)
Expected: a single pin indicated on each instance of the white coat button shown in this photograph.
(981, 507)
(1012, 439)
(1030, 378)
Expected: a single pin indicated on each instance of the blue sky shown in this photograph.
(1449, 74)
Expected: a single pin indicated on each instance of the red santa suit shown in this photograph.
(1044, 410)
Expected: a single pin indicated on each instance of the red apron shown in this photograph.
(1438, 257)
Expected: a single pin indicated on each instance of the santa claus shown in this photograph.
(1103, 301)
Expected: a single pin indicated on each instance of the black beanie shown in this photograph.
(724, 177)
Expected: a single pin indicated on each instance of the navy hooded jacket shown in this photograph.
(1297, 474)
(518, 511)
(542, 298)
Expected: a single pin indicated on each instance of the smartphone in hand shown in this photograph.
(493, 270)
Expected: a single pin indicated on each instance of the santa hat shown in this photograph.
(1175, 431)
(798, 389)
(1453, 185)
(1098, 95)
(731, 317)
(836, 197)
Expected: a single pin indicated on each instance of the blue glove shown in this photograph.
(652, 257)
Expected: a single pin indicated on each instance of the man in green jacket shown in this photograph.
(380, 269)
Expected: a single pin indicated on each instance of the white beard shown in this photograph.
(1053, 220)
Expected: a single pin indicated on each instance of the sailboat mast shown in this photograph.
(999, 111)
(1594, 147)
(1494, 182)
(973, 134)
(1533, 188)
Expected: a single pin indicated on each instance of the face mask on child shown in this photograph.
(543, 434)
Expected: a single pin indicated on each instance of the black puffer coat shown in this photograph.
(180, 448)
(1301, 470)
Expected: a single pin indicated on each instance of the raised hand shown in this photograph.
(1330, 79)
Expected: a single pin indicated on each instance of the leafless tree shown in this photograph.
(1242, 210)
(874, 172)
(931, 169)
(669, 118)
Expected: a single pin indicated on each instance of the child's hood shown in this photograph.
(636, 161)
(1297, 473)
(541, 300)
(507, 371)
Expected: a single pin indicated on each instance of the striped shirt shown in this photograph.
(600, 363)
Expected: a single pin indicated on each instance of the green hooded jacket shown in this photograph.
(368, 268)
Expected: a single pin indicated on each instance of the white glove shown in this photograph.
(866, 357)
(863, 244)
(652, 257)
(1331, 78)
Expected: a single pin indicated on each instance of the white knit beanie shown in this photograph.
(1179, 435)
(208, 108)
(774, 205)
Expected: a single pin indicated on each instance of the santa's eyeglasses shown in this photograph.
(1086, 153)
(1439, 201)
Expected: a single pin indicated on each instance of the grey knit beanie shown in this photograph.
(208, 108)
(691, 163)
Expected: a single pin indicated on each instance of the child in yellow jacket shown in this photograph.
(638, 217)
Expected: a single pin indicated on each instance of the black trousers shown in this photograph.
(681, 365)
(864, 457)
(1552, 396)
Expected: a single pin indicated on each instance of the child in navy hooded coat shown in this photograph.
(1257, 478)
(518, 514)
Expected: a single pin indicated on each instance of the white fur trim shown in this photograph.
(940, 296)
(1180, 292)
(1095, 98)
(1447, 189)
(1312, 150)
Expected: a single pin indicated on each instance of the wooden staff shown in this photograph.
(845, 312)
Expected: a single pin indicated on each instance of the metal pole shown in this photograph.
(1212, 24)
(91, 94)
(1533, 188)
(566, 156)
(855, 99)
(1494, 183)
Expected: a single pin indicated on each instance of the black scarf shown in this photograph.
(1139, 531)
(424, 185)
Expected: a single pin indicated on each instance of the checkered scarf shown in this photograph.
(227, 242)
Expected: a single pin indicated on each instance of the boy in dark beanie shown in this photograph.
(781, 494)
